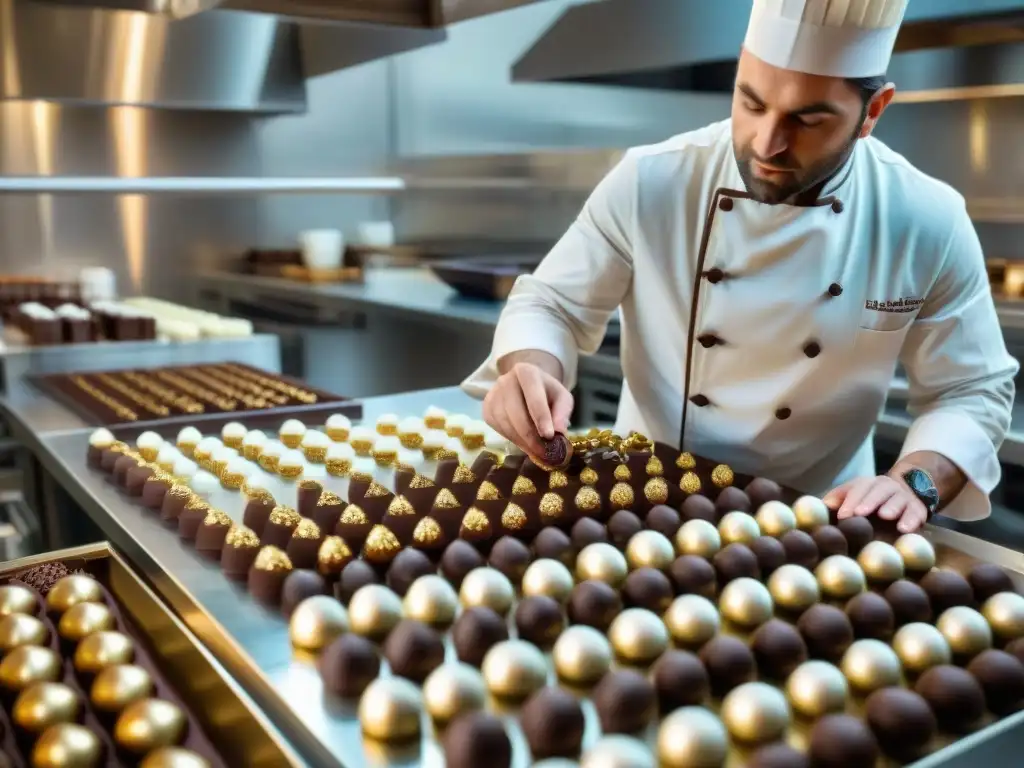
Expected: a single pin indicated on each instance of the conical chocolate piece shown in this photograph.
(332, 557)
(137, 477)
(503, 477)
(267, 574)
(308, 495)
(240, 548)
(357, 484)
(622, 496)
(155, 489)
(280, 526)
(381, 547)
(174, 502)
(448, 512)
(110, 456)
(483, 462)
(587, 502)
(477, 530)
(465, 484)
(328, 510)
(212, 533)
(429, 538)
(525, 493)
(124, 463)
(534, 472)
(258, 509)
(421, 493)
(353, 526)
(516, 521)
(191, 518)
(304, 544)
(445, 472)
(376, 501)
(403, 476)
(557, 508)
(514, 461)
(401, 519)
(489, 501)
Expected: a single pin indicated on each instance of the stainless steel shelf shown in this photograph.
(198, 185)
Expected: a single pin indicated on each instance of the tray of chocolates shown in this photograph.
(198, 392)
(94, 671)
(617, 603)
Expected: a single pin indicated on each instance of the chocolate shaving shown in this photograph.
(43, 577)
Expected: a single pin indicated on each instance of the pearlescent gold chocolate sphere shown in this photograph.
(548, 578)
(17, 599)
(148, 724)
(870, 665)
(810, 512)
(21, 629)
(173, 757)
(116, 687)
(488, 588)
(698, 537)
(390, 710)
(315, 622)
(67, 746)
(83, 619)
(72, 590)
(817, 688)
(794, 588)
(746, 602)
(454, 689)
(44, 704)
(692, 620)
(1005, 614)
(775, 518)
(617, 751)
(920, 647)
(373, 611)
(514, 669)
(28, 664)
(602, 562)
(881, 562)
(638, 636)
(840, 577)
(738, 528)
(917, 552)
(755, 713)
(966, 631)
(649, 549)
(692, 737)
(101, 650)
(431, 600)
(582, 655)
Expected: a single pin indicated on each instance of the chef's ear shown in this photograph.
(877, 105)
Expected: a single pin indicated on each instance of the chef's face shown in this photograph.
(791, 131)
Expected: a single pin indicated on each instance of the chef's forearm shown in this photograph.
(547, 362)
(946, 475)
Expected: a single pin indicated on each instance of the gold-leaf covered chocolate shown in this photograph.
(588, 476)
(400, 507)
(463, 474)
(487, 491)
(551, 507)
(217, 517)
(514, 518)
(28, 664)
(353, 515)
(272, 559)
(328, 499)
(242, 537)
(376, 491)
(685, 461)
(427, 532)
(557, 480)
(475, 520)
(654, 467)
(257, 494)
(67, 745)
(621, 496)
(21, 629)
(523, 486)
(84, 619)
(622, 473)
(444, 454)
(44, 704)
(196, 504)
(315, 622)
(286, 516)
(445, 499)
(690, 483)
(421, 481)
(147, 724)
(722, 476)
(118, 686)
(101, 650)
(72, 590)
(17, 599)
(333, 555)
(656, 490)
(307, 529)
(587, 499)
(381, 545)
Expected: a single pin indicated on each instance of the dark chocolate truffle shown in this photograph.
(698, 508)
(909, 602)
(511, 557)
(586, 531)
(664, 520)
(693, 575)
(622, 526)
(257, 511)
(554, 543)
(732, 499)
(946, 589)
(408, 565)
(680, 680)
(800, 549)
(459, 559)
(595, 604)
(778, 649)
(842, 741)
(729, 663)
(955, 696)
(858, 532)
(902, 722)
(830, 541)
(1017, 649)
(626, 701)
(475, 739)
(770, 553)
(539, 620)
(826, 630)
(1001, 676)
(778, 755)
(735, 561)
(987, 580)
(871, 616)
(299, 585)
(211, 534)
(413, 650)
(648, 588)
(348, 665)
(762, 490)
(475, 632)
(356, 574)
(552, 721)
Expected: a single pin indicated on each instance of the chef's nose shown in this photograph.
(771, 138)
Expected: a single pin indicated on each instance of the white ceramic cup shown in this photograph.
(322, 248)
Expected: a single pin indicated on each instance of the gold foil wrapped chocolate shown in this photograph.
(118, 686)
(67, 745)
(452, 690)
(101, 650)
(638, 636)
(84, 619)
(582, 655)
(148, 724)
(551, 507)
(74, 589)
(432, 600)
(390, 710)
(315, 622)
(656, 491)
(44, 704)
(373, 611)
(21, 629)
(17, 599)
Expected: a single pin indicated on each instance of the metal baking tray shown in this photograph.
(490, 277)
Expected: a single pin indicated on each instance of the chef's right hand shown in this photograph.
(528, 405)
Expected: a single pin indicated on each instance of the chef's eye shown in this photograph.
(750, 106)
(809, 122)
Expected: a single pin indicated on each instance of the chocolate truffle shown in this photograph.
(1001, 676)
(136, 479)
(555, 544)
(408, 565)
(267, 574)
(257, 510)
(539, 620)
(622, 526)
(155, 489)
(871, 616)
(778, 649)
(779, 755)
(240, 548)
(511, 557)
(987, 580)
(552, 721)
(955, 696)
(800, 549)
(459, 559)
(475, 632)
(413, 650)
(842, 741)
(348, 665)
(586, 531)
(698, 508)
(729, 663)
(761, 490)
(304, 544)
(354, 527)
(735, 561)
(770, 553)
(174, 502)
(280, 526)
(298, 585)
(595, 604)
(354, 576)
(732, 499)
(124, 463)
(1016, 648)
(475, 739)
(946, 589)
(693, 575)
(211, 534)
(191, 518)
(328, 510)
(830, 541)
(858, 532)
(902, 722)
(680, 680)
(664, 520)
(909, 602)
(647, 588)
(826, 630)
(626, 702)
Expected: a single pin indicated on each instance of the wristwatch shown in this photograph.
(921, 485)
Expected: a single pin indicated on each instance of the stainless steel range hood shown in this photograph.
(947, 48)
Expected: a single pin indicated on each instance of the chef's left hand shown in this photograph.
(891, 498)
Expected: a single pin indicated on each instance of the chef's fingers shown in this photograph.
(522, 423)
(834, 499)
(893, 508)
(878, 493)
(561, 404)
(535, 395)
(494, 414)
(860, 488)
(914, 517)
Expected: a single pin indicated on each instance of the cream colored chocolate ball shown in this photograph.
(692, 737)
(775, 518)
(373, 611)
(638, 636)
(432, 600)
(698, 537)
(487, 587)
(692, 620)
(548, 578)
(582, 655)
(966, 631)
(452, 690)
(794, 588)
(746, 602)
(817, 688)
(602, 562)
(649, 549)
(840, 577)
(810, 512)
(390, 710)
(917, 552)
(1005, 614)
(755, 713)
(738, 528)
(514, 669)
(870, 665)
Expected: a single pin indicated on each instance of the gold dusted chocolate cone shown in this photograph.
(602, 562)
(373, 611)
(582, 655)
(17, 599)
(116, 687)
(390, 710)
(432, 600)
(28, 664)
(698, 537)
(549, 578)
(452, 690)
(173, 757)
(917, 552)
(649, 549)
(83, 619)
(21, 629)
(1005, 614)
(692, 620)
(746, 603)
(67, 746)
(72, 590)
(149, 724)
(755, 713)
(775, 518)
(881, 562)
(381, 546)
(816, 689)
(638, 636)
(514, 669)
(840, 577)
(692, 737)
(870, 665)
(920, 647)
(101, 650)
(794, 588)
(315, 622)
(738, 528)
(489, 588)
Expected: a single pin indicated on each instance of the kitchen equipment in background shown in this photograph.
(486, 277)
(1006, 277)
(322, 248)
(374, 246)
(97, 284)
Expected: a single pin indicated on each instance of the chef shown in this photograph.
(770, 271)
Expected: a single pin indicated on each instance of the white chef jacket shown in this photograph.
(766, 336)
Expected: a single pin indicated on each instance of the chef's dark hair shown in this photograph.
(867, 87)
